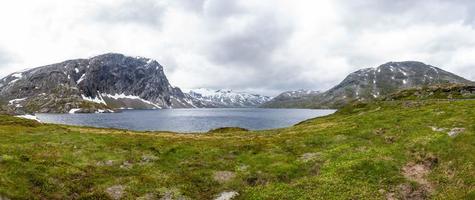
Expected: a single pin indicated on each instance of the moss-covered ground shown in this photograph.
(360, 152)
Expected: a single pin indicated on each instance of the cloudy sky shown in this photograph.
(264, 46)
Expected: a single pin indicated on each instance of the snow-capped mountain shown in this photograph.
(371, 83)
(297, 94)
(225, 98)
(104, 82)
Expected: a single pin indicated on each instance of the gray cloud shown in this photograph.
(147, 12)
(221, 9)
(190, 5)
(387, 13)
(253, 45)
(5, 59)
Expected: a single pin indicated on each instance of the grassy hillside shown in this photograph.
(386, 150)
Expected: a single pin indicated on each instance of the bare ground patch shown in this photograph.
(416, 172)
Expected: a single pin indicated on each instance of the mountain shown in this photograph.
(370, 83)
(291, 98)
(97, 84)
(225, 98)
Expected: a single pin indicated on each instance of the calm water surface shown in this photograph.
(189, 120)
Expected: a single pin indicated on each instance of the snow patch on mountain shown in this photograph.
(81, 78)
(97, 99)
(124, 96)
(225, 98)
(299, 93)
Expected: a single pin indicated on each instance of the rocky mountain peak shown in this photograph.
(109, 80)
(371, 83)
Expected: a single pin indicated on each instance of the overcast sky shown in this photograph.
(265, 46)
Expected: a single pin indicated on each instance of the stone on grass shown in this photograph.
(223, 176)
(105, 163)
(307, 157)
(148, 158)
(227, 195)
(455, 131)
(116, 192)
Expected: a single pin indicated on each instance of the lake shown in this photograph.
(189, 120)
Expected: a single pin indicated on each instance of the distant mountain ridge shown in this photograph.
(291, 98)
(371, 83)
(225, 98)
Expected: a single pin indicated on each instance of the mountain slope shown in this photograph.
(225, 98)
(371, 83)
(291, 99)
(106, 81)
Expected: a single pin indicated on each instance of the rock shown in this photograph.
(105, 163)
(149, 196)
(223, 176)
(455, 131)
(167, 196)
(148, 158)
(116, 192)
(389, 139)
(307, 157)
(452, 133)
(126, 165)
(227, 195)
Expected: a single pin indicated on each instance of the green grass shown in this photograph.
(356, 153)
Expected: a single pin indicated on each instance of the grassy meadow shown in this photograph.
(403, 149)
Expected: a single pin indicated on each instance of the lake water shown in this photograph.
(189, 120)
